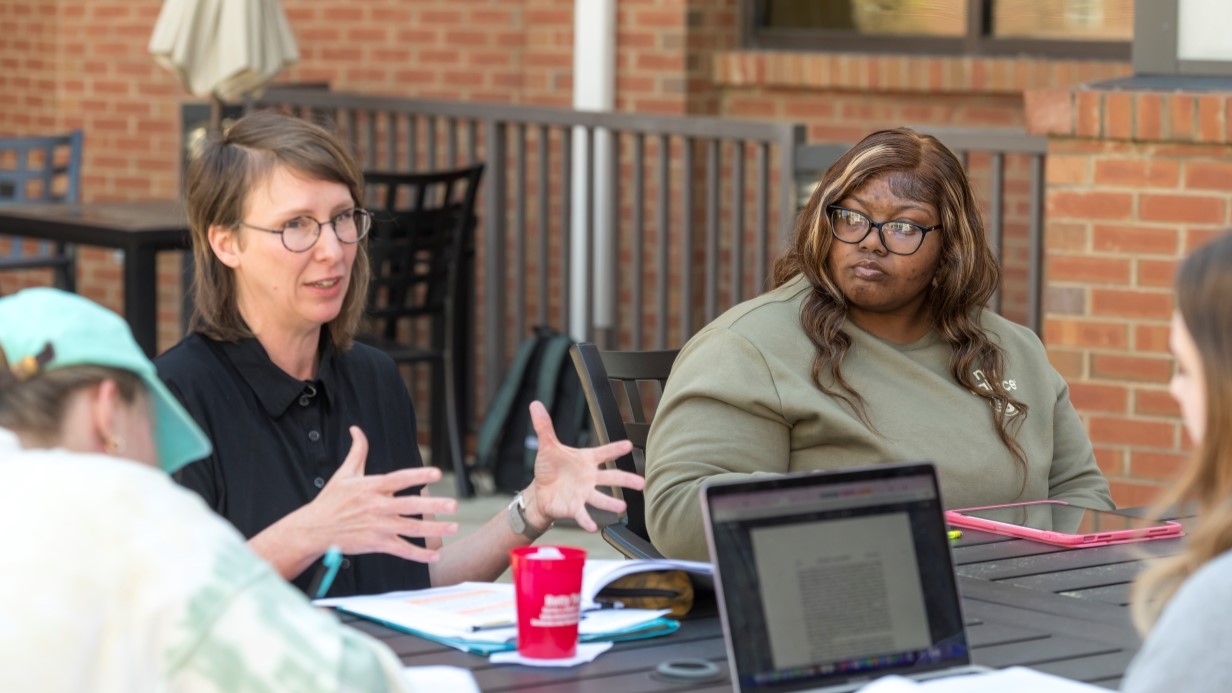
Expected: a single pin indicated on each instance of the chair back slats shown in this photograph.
(639, 365)
(633, 395)
(422, 224)
(41, 169)
(630, 373)
(637, 433)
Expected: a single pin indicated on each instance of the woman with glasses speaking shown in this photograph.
(314, 435)
(874, 346)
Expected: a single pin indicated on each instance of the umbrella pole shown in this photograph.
(215, 112)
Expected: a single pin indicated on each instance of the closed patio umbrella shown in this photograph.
(224, 49)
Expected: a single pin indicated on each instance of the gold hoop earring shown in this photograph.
(113, 445)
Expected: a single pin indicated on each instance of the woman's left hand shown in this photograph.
(566, 478)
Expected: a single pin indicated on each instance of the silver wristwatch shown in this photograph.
(517, 519)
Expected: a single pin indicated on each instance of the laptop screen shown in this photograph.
(837, 576)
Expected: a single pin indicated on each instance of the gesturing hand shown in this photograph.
(565, 477)
(361, 514)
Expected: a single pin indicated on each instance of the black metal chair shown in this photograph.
(609, 376)
(422, 224)
(41, 169)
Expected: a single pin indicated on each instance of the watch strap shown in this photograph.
(518, 522)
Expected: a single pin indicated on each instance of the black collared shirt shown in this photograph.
(278, 440)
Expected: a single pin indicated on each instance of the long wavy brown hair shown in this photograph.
(917, 167)
(1204, 301)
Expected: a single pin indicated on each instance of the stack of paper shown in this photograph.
(480, 617)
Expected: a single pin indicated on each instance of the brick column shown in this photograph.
(1135, 181)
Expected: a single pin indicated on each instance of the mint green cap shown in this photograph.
(81, 332)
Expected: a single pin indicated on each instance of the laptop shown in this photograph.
(828, 580)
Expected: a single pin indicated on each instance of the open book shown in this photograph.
(481, 617)
(601, 573)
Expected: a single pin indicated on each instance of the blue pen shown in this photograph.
(326, 573)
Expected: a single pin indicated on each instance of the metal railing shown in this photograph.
(640, 204)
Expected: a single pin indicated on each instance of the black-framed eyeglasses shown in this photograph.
(898, 237)
(301, 233)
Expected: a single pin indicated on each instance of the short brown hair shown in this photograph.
(34, 408)
(220, 179)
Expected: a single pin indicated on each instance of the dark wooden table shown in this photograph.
(1061, 611)
(140, 229)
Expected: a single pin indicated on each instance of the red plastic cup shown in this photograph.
(548, 583)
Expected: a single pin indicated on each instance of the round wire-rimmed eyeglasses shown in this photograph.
(898, 237)
(301, 233)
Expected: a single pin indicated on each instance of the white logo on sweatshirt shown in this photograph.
(1007, 385)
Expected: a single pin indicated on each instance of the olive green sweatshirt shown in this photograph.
(741, 401)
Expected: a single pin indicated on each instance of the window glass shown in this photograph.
(896, 17)
(1089, 20)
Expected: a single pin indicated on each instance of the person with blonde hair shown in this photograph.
(1183, 603)
(314, 435)
(875, 345)
(116, 579)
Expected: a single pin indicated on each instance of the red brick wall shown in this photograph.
(83, 63)
(1135, 182)
(28, 66)
(28, 85)
(473, 50)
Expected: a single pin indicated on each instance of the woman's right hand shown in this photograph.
(359, 514)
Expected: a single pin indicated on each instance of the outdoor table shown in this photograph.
(1061, 611)
(1058, 610)
(140, 229)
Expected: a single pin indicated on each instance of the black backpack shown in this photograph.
(541, 370)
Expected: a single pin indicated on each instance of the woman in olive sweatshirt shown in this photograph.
(874, 346)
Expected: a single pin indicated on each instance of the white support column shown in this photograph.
(594, 89)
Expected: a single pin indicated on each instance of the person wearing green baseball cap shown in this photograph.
(122, 580)
(44, 331)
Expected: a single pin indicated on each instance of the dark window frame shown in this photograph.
(978, 40)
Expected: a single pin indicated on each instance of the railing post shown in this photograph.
(793, 137)
(686, 240)
(711, 280)
(494, 259)
(996, 219)
(1035, 246)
